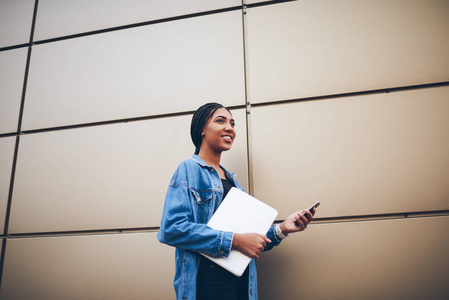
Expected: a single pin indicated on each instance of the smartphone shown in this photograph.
(311, 209)
(314, 206)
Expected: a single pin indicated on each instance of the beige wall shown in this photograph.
(345, 102)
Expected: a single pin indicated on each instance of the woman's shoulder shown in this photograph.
(185, 170)
(187, 165)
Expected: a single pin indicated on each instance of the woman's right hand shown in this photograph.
(250, 244)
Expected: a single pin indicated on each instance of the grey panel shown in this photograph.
(12, 74)
(309, 48)
(372, 154)
(150, 70)
(107, 176)
(121, 266)
(65, 17)
(15, 21)
(6, 158)
(396, 259)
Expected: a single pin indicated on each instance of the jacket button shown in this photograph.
(221, 252)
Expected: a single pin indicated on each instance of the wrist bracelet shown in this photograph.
(278, 231)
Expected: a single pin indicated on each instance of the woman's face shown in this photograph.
(219, 134)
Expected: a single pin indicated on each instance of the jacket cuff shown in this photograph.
(226, 243)
(271, 234)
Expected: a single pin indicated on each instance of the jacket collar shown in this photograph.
(201, 162)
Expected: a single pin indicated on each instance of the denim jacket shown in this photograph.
(194, 193)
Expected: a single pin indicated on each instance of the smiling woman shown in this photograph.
(194, 194)
(199, 120)
(217, 136)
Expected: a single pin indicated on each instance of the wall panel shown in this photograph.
(396, 259)
(308, 48)
(6, 158)
(102, 177)
(121, 266)
(15, 21)
(150, 70)
(372, 154)
(66, 17)
(366, 154)
(12, 73)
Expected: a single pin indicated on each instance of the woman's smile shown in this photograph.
(228, 137)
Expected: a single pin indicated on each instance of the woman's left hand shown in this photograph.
(297, 221)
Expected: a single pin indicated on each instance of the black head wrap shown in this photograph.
(199, 120)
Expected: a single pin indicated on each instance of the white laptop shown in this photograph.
(240, 213)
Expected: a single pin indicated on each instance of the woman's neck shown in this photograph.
(211, 158)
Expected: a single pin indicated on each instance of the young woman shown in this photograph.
(195, 192)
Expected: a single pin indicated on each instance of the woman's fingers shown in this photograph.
(303, 218)
(250, 244)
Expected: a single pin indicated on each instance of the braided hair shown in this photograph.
(199, 120)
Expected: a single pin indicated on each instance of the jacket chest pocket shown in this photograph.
(203, 204)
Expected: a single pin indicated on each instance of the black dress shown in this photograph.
(214, 282)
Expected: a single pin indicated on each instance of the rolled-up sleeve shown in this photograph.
(275, 241)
